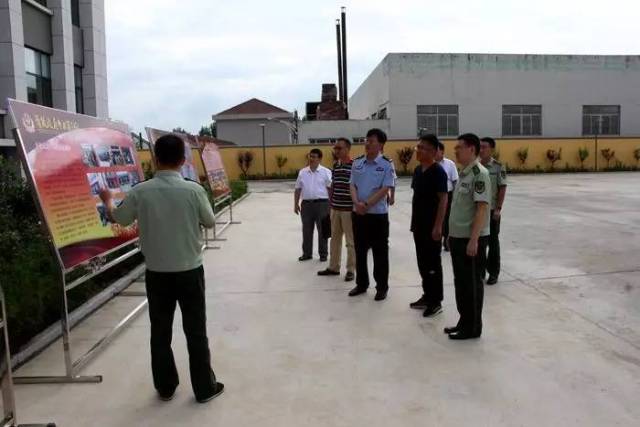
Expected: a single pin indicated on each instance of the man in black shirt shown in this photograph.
(428, 209)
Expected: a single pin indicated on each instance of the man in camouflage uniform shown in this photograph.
(468, 235)
(498, 174)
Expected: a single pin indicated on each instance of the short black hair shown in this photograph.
(169, 150)
(471, 140)
(379, 134)
(440, 146)
(316, 151)
(431, 140)
(490, 141)
(345, 140)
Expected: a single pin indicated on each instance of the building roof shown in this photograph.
(218, 142)
(253, 108)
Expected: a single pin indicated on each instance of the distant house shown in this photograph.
(242, 124)
(217, 141)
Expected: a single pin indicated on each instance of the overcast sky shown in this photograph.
(175, 63)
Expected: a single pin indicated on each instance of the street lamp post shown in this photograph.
(264, 152)
(597, 132)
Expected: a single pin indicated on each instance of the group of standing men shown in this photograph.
(458, 211)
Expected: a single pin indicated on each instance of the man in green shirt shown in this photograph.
(169, 211)
(468, 234)
(498, 174)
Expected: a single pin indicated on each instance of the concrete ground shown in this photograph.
(561, 343)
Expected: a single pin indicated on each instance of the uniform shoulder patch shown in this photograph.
(476, 170)
(386, 158)
(195, 182)
(479, 187)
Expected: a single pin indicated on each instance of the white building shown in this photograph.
(502, 95)
(53, 53)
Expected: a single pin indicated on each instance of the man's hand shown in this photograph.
(472, 248)
(436, 234)
(392, 199)
(296, 209)
(496, 214)
(361, 208)
(105, 196)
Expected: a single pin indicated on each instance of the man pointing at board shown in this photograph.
(169, 211)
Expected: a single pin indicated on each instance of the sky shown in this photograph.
(176, 63)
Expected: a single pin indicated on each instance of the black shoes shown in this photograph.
(451, 330)
(381, 295)
(349, 276)
(463, 336)
(492, 280)
(166, 397)
(217, 392)
(421, 304)
(304, 258)
(357, 291)
(328, 272)
(432, 311)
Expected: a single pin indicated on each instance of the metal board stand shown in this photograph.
(224, 224)
(6, 381)
(95, 266)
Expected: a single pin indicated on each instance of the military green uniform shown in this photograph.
(473, 187)
(498, 174)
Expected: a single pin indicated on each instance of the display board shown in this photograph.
(70, 158)
(216, 175)
(189, 169)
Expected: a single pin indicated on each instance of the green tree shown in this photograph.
(209, 130)
(179, 130)
(583, 154)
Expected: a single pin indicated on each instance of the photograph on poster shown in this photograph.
(89, 157)
(125, 181)
(116, 156)
(128, 157)
(135, 178)
(104, 156)
(97, 182)
(112, 180)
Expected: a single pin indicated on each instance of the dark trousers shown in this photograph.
(467, 280)
(430, 266)
(371, 231)
(445, 226)
(312, 214)
(164, 291)
(493, 259)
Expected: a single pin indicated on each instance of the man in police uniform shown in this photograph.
(468, 235)
(498, 174)
(371, 180)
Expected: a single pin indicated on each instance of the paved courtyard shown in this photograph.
(561, 342)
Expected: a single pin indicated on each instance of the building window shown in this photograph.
(441, 120)
(77, 73)
(75, 12)
(601, 120)
(38, 67)
(521, 120)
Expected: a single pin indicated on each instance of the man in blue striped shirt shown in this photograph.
(341, 208)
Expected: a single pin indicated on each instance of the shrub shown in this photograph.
(281, 161)
(405, 155)
(245, 160)
(147, 169)
(608, 155)
(554, 156)
(583, 154)
(523, 154)
(636, 155)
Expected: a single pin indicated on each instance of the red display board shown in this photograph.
(189, 169)
(216, 174)
(70, 158)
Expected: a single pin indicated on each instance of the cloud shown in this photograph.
(175, 63)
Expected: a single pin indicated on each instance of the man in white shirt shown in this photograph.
(312, 187)
(450, 168)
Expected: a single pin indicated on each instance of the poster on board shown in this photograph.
(70, 158)
(216, 175)
(189, 170)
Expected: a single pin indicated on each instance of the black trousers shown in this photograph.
(164, 291)
(445, 226)
(371, 231)
(493, 259)
(312, 214)
(467, 280)
(428, 253)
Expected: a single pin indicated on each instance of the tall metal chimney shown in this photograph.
(340, 74)
(344, 60)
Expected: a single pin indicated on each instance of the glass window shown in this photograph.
(601, 120)
(77, 72)
(521, 120)
(75, 12)
(441, 120)
(38, 77)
